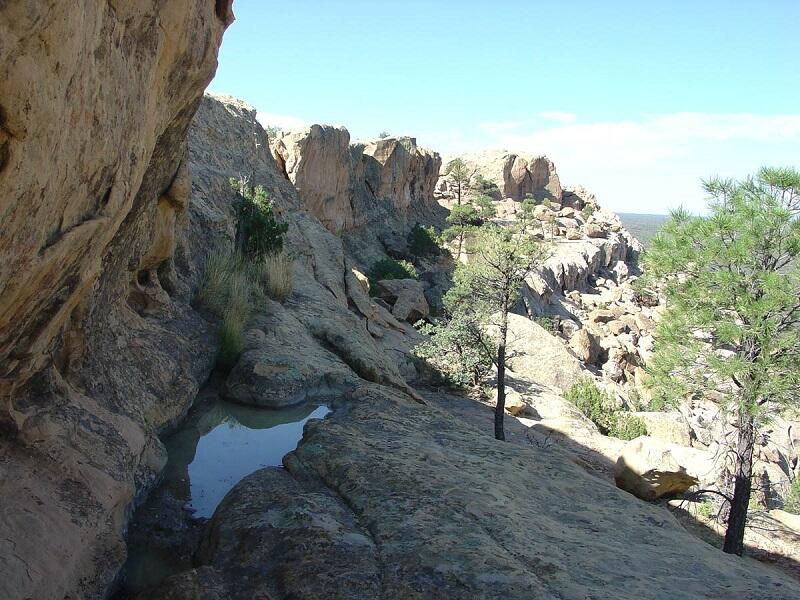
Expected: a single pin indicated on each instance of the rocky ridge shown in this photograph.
(362, 482)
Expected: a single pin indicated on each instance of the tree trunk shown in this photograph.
(460, 244)
(737, 518)
(499, 410)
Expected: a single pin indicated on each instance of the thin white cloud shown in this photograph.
(285, 122)
(500, 127)
(559, 116)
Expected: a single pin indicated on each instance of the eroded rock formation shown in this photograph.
(348, 185)
(515, 175)
(98, 346)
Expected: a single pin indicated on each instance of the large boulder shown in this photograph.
(585, 346)
(538, 355)
(669, 426)
(651, 468)
(406, 297)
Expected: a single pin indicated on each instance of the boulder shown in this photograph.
(407, 297)
(568, 327)
(577, 197)
(543, 213)
(574, 234)
(585, 346)
(617, 327)
(651, 468)
(593, 230)
(601, 315)
(515, 404)
(671, 427)
(536, 354)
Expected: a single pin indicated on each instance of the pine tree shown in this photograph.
(733, 275)
(460, 177)
(484, 291)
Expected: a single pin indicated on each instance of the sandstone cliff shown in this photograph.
(98, 346)
(351, 185)
(515, 175)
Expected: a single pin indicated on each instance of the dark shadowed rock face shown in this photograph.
(386, 498)
(98, 345)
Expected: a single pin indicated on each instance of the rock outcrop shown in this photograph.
(317, 161)
(352, 185)
(516, 175)
(98, 345)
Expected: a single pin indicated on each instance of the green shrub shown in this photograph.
(547, 323)
(599, 408)
(792, 503)
(388, 268)
(705, 509)
(258, 233)
(587, 211)
(626, 426)
(592, 402)
(422, 241)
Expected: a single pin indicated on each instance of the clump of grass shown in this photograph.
(214, 287)
(230, 285)
(276, 276)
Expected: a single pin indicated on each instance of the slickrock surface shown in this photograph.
(427, 507)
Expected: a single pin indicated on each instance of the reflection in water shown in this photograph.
(218, 444)
(237, 447)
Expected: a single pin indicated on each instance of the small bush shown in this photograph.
(626, 426)
(258, 233)
(599, 408)
(548, 324)
(275, 276)
(705, 509)
(422, 241)
(388, 268)
(587, 211)
(792, 503)
(593, 403)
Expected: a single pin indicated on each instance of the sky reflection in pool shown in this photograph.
(232, 450)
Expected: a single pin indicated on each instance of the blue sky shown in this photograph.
(634, 100)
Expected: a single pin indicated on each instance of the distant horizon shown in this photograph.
(638, 104)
